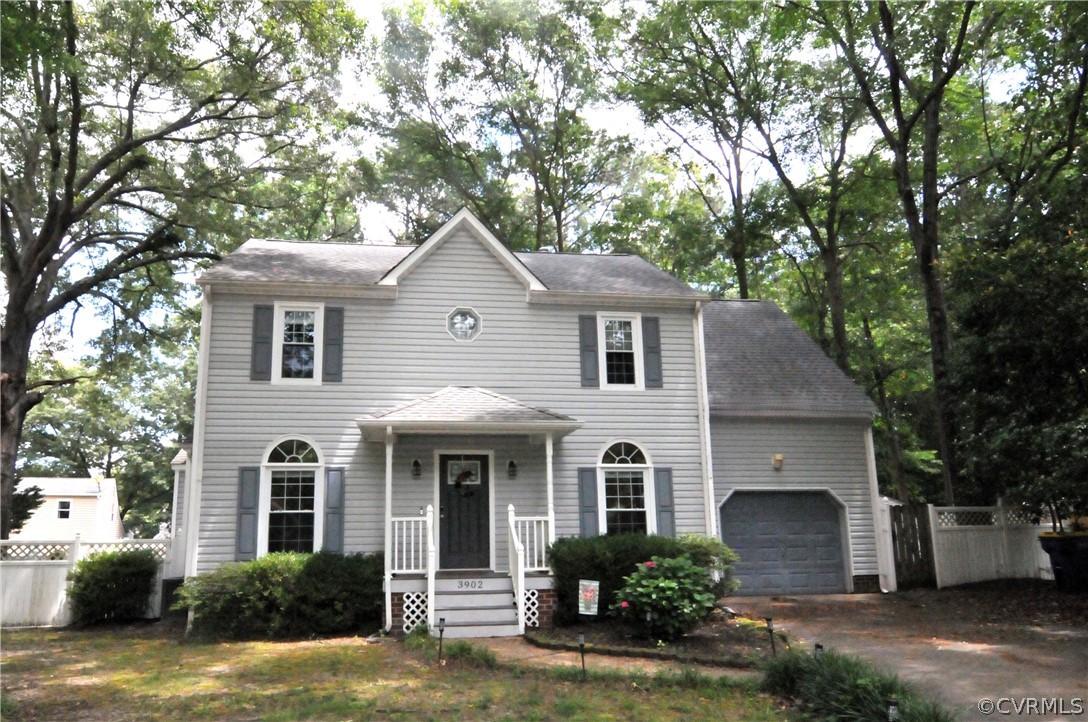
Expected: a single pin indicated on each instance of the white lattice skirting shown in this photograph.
(532, 608)
(415, 610)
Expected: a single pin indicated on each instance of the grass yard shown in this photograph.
(146, 673)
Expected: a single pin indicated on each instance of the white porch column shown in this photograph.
(549, 448)
(389, 439)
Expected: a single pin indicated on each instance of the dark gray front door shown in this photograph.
(789, 542)
(465, 538)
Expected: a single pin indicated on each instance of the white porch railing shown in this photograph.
(409, 552)
(413, 551)
(527, 545)
(533, 533)
(516, 550)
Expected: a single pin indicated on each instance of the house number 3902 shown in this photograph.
(475, 584)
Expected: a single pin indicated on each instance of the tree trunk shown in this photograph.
(840, 351)
(880, 375)
(15, 402)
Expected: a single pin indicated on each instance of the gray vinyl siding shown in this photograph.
(398, 350)
(179, 509)
(817, 454)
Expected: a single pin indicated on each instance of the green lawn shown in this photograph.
(147, 673)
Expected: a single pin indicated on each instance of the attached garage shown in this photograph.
(794, 472)
(788, 542)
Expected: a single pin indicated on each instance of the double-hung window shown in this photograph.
(291, 498)
(297, 343)
(625, 483)
(64, 509)
(620, 344)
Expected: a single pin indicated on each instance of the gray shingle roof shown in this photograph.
(468, 404)
(760, 363)
(466, 409)
(588, 273)
(263, 261)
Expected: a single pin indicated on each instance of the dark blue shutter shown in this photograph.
(260, 362)
(249, 486)
(334, 511)
(587, 341)
(587, 501)
(651, 351)
(666, 511)
(332, 364)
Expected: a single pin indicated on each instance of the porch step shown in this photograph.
(475, 631)
(476, 604)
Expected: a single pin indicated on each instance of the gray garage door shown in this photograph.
(788, 542)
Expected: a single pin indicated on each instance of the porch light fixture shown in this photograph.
(417, 469)
(776, 462)
(512, 470)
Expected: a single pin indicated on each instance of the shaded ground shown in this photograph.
(997, 640)
(721, 641)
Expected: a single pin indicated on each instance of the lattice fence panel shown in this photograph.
(1018, 517)
(158, 548)
(415, 610)
(532, 608)
(34, 552)
(965, 517)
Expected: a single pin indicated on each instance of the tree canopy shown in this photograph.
(905, 179)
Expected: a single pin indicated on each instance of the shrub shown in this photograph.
(666, 597)
(112, 586)
(286, 594)
(712, 554)
(607, 559)
(840, 687)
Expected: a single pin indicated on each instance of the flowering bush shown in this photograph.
(666, 598)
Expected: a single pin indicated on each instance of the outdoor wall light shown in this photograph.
(776, 462)
(417, 469)
(512, 470)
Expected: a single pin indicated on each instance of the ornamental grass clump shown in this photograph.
(666, 598)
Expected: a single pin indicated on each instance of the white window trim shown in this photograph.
(636, 342)
(264, 502)
(648, 490)
(280, 309)
(69, 503)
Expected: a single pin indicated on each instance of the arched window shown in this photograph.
(624, 474)
(291, 497)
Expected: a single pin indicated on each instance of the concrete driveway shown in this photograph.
(936, 640)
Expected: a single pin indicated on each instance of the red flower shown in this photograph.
(625, 605)
(650, 565)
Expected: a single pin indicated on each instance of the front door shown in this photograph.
(465, 537)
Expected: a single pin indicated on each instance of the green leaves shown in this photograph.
(665, 597)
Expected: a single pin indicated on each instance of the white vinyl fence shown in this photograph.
(979, 543)
(33, 578)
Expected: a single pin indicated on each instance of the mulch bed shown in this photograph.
(720, 641)
(1022, 602)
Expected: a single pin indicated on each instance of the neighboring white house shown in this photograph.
(87, 507)
(459, 406)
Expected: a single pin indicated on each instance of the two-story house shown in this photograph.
(460, 406)
(72, 507)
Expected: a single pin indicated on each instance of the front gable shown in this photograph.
(463, 221)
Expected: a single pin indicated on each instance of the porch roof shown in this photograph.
(464, 410)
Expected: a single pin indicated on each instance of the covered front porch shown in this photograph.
(469, 509)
